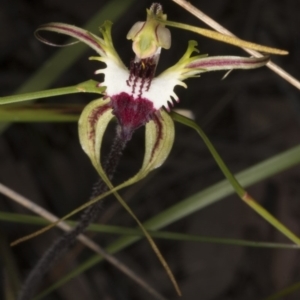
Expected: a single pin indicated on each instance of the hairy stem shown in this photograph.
(88, 216)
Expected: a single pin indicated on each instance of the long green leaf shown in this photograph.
(89, 86)
(167, 235)
(40, 113)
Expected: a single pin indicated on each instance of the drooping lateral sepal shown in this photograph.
(92, 124)
(160, 133)
(159, 138)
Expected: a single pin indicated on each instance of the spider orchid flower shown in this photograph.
(134, 95)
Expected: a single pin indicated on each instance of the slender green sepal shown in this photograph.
(92, 126)
(235, 184)
(225, 38)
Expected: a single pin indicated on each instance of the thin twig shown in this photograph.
(25, 202)
(216, 26)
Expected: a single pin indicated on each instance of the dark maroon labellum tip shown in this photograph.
(131, 113)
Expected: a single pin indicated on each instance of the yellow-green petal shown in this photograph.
(92, 125)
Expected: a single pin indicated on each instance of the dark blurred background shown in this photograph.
(249, 117)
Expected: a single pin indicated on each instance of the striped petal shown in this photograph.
(216, 63)
(103, 46)
(162, 87)
(92, 125)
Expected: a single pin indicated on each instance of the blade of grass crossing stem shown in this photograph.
(40, 113)
(167, 235)
(237, 187)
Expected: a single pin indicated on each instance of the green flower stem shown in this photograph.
(208, 196)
